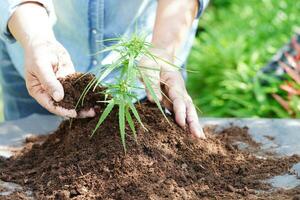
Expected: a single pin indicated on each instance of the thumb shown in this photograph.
(49, 81)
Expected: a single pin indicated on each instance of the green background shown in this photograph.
(236, 39)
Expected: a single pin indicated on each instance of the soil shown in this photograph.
(74, 85)
(165, 162)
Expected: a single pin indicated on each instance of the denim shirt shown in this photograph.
(79, 25)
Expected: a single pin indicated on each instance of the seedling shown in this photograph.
(122, 93)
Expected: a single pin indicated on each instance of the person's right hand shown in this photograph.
(45, 58)
(45, 61)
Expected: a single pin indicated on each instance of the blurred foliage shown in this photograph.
(237, 39)
(220, 3)
(290, 98)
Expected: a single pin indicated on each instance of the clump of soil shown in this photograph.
(74, 85)
(165, 162)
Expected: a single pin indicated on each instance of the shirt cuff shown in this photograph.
(7, 8)
(202, 4)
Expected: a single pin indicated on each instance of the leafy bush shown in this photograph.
(237, 41)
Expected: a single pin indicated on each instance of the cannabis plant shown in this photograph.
(290, 100)
(121, 93)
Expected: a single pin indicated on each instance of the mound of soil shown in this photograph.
(165, 162)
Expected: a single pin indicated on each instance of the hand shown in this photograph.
(45, 61)
(169, 87)
(45, 58)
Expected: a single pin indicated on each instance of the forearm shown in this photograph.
(173, 22)
(30, 22)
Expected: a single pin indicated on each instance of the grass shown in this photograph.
(237, 39)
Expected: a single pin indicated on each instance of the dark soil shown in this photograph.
(165, 163)
(74, 85)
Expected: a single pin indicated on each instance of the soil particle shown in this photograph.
(164, 163)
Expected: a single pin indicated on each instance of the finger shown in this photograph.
(87, 113)
(179, 109)
(46, 101)
(48, 79)
(176, 94)
(193, 121)
(65, 66)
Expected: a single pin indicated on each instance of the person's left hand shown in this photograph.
(169, 87)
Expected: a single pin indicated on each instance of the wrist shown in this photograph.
(34, 40)
(163, 54)
(167, 54)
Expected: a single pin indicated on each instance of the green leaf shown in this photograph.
(85, 91)
(114, 47)
(122, 123)
(155, 58)
(130, 72)
(109, 40)
(135, 113)
(107, 71)
(104, 115)
(131, 123)
(154, 96)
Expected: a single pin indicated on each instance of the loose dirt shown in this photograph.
(165, 162)
(74, 86)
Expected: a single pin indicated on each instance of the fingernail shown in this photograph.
(56, 96)
(201, 134)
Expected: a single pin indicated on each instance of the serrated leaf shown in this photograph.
(85, 91)
(154, 96)
(136, 114)
(130, 72)
(109, 39)
(131, 123)
(107, 71)
(155, 58)
(104, 115)
(122, 123)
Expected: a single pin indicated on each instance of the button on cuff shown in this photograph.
(94, 31)
(94, 62)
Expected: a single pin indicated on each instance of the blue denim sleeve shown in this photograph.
(7, 8)
(202, 5)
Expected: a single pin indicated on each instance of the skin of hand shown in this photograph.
(173, 21)
(45, 58)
